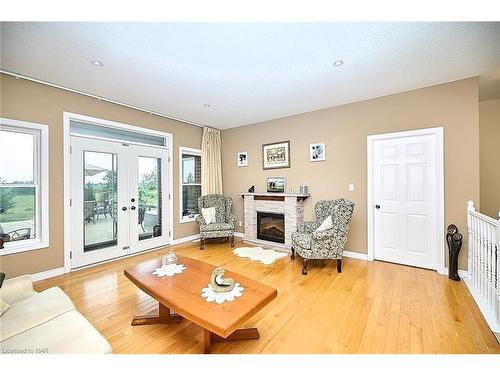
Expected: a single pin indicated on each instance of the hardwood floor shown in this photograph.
(372, 307)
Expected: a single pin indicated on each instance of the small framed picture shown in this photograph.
(276, 155)
(276, 184)
(243, 159)
(317, 152)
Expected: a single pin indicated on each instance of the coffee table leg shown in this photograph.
(162, 317)
(239, 334)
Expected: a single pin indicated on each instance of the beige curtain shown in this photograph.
(211, 162)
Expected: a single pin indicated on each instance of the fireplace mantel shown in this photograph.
(290, 205)
(275, 196)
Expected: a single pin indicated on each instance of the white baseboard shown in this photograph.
(239, 234)
(194, 237)
(47, 274)
(476, 294)
(355, 255)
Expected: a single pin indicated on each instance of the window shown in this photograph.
(190, 183)
(23, 186)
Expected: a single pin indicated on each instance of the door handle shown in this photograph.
(132, 208)
(377, 206)
(124, 208)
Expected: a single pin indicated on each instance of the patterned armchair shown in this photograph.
(327, 244)
(224, 225)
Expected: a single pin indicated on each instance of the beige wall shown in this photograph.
(29, 101)
(344, 129)
(489, 140)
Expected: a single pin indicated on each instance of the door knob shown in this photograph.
(132, 208)
(377, 206)
(124, 208)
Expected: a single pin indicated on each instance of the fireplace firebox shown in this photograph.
(271, 227)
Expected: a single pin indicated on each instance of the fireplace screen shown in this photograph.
(271, 227)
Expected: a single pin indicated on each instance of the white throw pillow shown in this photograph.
(208, 214)
(325, 225)
(3, 307)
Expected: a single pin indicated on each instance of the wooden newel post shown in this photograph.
(470, 208)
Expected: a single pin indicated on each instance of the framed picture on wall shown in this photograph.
(242, 159)
(317, 152)
(276, 155)
(275, 184)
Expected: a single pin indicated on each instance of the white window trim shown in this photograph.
(42, 159)
(189, 151)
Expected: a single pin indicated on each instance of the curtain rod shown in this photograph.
(100, 98)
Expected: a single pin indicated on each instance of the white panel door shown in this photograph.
(404, 195)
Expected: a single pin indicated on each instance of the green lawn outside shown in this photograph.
(23, 209)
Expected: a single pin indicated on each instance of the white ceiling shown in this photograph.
(247, 72)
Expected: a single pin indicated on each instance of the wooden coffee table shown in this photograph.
(182, 294)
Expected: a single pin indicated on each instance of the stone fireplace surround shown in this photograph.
(290, 205)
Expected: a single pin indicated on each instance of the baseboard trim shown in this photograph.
(239, 234)
(355, 255)
(194, 237)
(47, 274)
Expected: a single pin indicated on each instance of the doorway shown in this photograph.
(119, 200)
(406, 198)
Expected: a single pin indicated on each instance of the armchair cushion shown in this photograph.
(216, 226)
(208, 215)
(325, 225)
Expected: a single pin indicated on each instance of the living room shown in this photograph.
(250, 188)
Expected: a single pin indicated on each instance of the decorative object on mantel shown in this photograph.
(251, 189)
(291, 189)
(242, 159)
(454, 239)
(218, 283)
(264, 256)
(276, 155)
(169, 270)
(275, 184)
(210, 295)
(317, 152)
(304, 189)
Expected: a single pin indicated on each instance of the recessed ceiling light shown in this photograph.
(206, 105)
(96, 63)
(338, 63)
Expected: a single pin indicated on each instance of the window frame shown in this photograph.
(40, 182)
(185, 151)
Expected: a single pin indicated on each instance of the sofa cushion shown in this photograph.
(3, 307)
(66, 333)
(325, 225)
(34, 311)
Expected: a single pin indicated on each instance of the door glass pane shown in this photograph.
(99, 200)
(149, 205)
(17, 213)
(16, 154)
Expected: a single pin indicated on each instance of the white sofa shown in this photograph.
(45, 322)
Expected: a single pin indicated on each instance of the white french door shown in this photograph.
(117, 199)
(406, 182)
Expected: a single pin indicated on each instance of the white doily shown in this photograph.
(169, 270)
(210, 295)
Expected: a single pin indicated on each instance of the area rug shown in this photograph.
(265, 256)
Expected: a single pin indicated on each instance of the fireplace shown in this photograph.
(271, 227)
